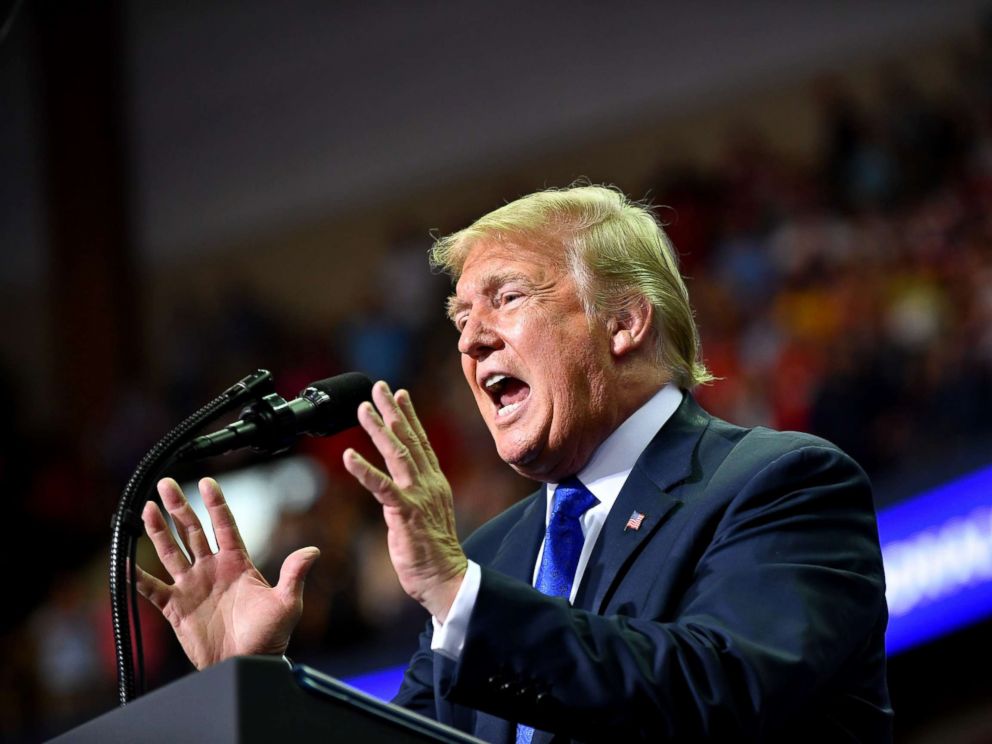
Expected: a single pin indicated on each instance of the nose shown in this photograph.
(478, 338)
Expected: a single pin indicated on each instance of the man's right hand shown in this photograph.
(219, 604)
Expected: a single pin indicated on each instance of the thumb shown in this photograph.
(294, 570)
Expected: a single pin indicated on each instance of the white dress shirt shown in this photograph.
(604, 475)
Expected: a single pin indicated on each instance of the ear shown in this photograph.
(632, 328)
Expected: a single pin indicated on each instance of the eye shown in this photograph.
(508, 297)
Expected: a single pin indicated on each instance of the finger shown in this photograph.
(294, 571)
(396, 421)
(406, 404)
(153, 589)
(399, 461)
(225, 528)
(173, 559)
(187, 523)
(372, 479)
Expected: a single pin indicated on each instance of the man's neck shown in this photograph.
(620, 450)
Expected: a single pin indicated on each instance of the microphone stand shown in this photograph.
(127, 526)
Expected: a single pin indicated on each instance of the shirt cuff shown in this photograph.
(449, 636)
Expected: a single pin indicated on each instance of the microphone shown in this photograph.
(271, 424)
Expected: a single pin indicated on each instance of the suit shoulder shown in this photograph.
(754, 449)
(762, 438)
(782, 442)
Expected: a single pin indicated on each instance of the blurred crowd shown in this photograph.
(852, 299)
(850, 296)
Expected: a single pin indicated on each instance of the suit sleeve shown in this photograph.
(788, 589)
(417, 690)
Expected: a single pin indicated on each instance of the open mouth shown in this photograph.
(508, 393)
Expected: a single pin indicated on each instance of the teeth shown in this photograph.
(494, 380)
(509, 409)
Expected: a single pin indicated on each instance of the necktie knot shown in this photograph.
(572, 499)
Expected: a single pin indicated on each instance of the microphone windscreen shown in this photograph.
(339, 411)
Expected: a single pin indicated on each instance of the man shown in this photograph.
(676, 578)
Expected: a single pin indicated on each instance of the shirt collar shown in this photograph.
(611, 463)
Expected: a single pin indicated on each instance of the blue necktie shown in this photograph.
(562, 546)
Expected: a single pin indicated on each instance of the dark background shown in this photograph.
(192, 191)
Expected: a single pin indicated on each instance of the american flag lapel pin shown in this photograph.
(634, 523)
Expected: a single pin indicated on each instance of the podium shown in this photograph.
(254, 699)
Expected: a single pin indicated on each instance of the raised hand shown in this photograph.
(219, 604)
(416, 501)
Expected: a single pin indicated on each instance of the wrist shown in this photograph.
(439, 599)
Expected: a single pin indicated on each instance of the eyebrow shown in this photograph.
(453, 306)
(487, 283)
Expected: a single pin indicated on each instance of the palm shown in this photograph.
(220, 605)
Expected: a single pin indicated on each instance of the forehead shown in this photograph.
(493, 262)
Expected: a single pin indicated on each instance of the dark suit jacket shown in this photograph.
(750, 605)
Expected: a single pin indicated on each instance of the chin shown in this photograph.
(517, 455)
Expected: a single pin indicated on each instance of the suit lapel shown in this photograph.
(518, 551)
(667, 461)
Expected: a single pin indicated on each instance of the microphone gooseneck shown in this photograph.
(126, 528)
(268, 424)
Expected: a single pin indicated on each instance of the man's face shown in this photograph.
(540, 369)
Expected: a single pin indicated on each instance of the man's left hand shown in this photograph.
(416, 501)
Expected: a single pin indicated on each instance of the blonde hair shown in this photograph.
(618, 254)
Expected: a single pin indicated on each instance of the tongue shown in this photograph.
(513, 391)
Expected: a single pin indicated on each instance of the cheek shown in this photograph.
(577, 383)
(564, 371)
